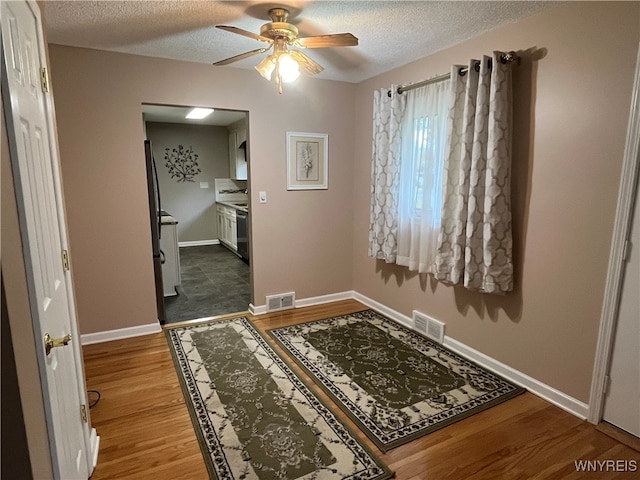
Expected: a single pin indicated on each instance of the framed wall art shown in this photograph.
(307, 161)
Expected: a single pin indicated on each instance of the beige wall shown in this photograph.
(573, 92)
(301, 239)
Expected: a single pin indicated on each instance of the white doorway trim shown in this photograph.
(626, 196)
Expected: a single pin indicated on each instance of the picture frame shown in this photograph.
(307, 161)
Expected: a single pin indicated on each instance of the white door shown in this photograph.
(622, 402)
(35, 169)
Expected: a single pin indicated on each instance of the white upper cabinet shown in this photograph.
(237, 154)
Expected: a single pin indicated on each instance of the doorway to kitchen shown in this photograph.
(201, 177)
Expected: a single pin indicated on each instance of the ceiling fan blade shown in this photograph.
(242, 56)
(309, 66)
(245, 33)
(323, 41)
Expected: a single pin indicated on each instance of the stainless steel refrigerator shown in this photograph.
(155, 213)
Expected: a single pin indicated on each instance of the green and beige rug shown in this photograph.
(255, 419)
(394, 383)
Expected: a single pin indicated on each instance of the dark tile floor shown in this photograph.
(215, 281)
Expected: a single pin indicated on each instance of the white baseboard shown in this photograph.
(199, 243)
(383, 309)
(319, 300)
(259, 310)
(306, 302)
(95, 448)
(558, 398)
(119, 334)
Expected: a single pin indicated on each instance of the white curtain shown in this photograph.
(423, 148)
(475, 244)
(385, 173)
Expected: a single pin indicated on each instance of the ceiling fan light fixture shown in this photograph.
(266, 66)
(288, 68)
(279, 34)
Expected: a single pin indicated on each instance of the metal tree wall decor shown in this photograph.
(182, 163)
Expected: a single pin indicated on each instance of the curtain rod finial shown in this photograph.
(510, 57)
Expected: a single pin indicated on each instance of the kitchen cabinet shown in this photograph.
(237, 154)
(227, 226)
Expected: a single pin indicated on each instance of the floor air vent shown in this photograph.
(283, 301)
(432, 328)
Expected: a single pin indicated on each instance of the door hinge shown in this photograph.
(44, 79)
(83, 413)
(65, 260)
(606, 385)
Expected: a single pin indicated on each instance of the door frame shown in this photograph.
(615, 273)
(90, 439)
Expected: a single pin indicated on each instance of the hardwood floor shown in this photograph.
(146, 432)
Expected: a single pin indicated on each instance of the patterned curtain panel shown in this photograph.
(474, 243)
(385, 174)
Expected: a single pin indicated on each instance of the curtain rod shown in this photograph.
(505, 58)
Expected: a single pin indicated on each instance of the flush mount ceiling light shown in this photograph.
(199, 113)
(282, 37)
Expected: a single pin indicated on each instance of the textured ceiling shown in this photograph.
(391, 33)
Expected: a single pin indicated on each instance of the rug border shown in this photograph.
(388, 473)
(204, 451)
(413, 436)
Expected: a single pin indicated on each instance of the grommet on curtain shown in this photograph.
(399, 91)
(462, 71)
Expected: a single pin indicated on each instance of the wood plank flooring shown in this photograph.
(146, 432)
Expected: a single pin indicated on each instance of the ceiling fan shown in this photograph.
(281, 38)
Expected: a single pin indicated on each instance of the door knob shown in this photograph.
(51, 343)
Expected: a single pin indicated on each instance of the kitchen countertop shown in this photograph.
(242, 206)
(168, 220)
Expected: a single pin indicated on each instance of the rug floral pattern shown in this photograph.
(254, 417)
(396, 384)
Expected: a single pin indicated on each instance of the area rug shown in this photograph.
(393, 382)
(254, 418)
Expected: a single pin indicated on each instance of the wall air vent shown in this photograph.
(428, 326)
(420, 322)
(283, 301)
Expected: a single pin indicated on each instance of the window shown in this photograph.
(421, 175)
(425, 146)
(458, 229)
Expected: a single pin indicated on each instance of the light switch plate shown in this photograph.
(262, 196)
(204, 184)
